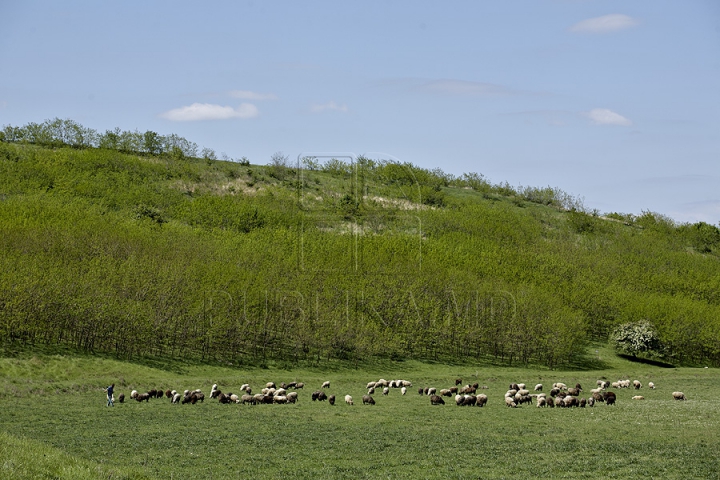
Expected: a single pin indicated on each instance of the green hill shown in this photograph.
(162, 253)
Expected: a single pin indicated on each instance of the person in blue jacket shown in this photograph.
(109, 391)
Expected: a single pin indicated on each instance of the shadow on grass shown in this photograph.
(646, 361)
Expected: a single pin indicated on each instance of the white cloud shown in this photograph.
(248, 95)
(603, 116)
(208, 111)
(330, 106)
(464, 87)
(604, 24)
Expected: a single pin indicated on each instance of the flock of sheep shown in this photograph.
(517, 394)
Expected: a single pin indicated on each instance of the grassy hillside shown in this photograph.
(164, 254)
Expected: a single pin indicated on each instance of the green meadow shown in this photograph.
(54, 423)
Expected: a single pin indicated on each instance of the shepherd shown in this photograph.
(109, 391)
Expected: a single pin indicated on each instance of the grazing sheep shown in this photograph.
(325, 385)
(521, 386)
(583, 402)
(234, 398)
(152, 393)
(541, 402)
(420, 390)
(381, 383)
(651, 385)
(270, 385)
(609, 398)
(431, 391)
(245, 399)
(574, 392)
(679, 396)
(453, 389)
(368, 400)
(445, 392)
(560, 385)
(425, 390)
(637, 384)
(224, 399)
(538, 387)
(386, 390)
(348, 399)
(436, 400)
(244, 387)
(293, 397)
(280, 392)
(331, 399)
(403, 390)
(248, 390)
(554, 392)
(469, 400)
(142, 396)
(598, 397)
(616, 384)
(215, 393)
(176, 398)
(524, 391)
(169, 393)
(134, 394)
(406, 383)
(509, 402)
(370, 385)
(280, 399)
(322, 396)
(514, 386)
(458, 381)
(638, 397)
(596, 390)
(481, 400)
(558, 402)
(121, 398)
(299, 386)
(590, 402)
(459, 399)
(603, 384)
(371, 390)
(314, 395)
(259, 397)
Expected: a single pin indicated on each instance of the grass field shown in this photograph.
(54, 424)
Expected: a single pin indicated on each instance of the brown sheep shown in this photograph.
(143, 396)
(331, 399)
(420, 390)
(436, 400)
(299, 386)
(368, 400)
(453, 389)
(168, 393)
(458, 381)
(609, 398)
(314, 395)
(121, 398)
(322, 396)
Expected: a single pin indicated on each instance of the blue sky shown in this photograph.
(614, 101)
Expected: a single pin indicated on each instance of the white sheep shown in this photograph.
(292, 397)
(348, 399)
(370, 385)
(176, 398)
(521, 386)
(638, 397)
(386, 390)
(651, 385)
(431, 391)
(538, 387)
(234, 398)
(637, 384)
(270, 385)
(679, 396)
(509, 402)
(325, 385)
(134, 394)
(244, 387)
(403, 390)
